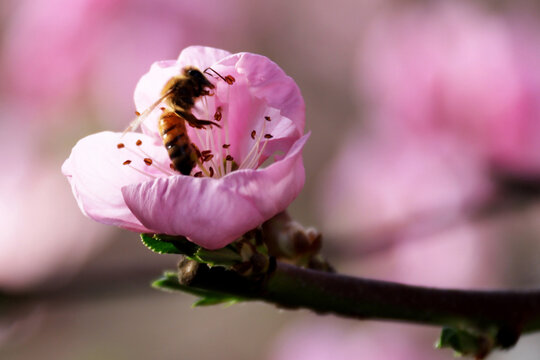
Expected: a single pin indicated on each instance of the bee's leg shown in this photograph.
(193, 121)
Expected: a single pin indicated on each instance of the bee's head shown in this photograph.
(198, 77)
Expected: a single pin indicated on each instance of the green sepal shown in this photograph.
(467, 342)
(165, 244)
(226, 257)
(169, 282)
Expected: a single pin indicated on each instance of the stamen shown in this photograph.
(226, 146)
(208, 158)
(206, 153)
(267, 118)
(120, 145)
(137, 113)
(148, 161)
(218, 115)
(253, 133)
(201, 166)
(209, 140)
(228, 79)
(227, 165)
(268, 136)
(211, 171)
(254, 149)
(229, 158)
(146, 156)
(254, 163)
(141, 172)
(139, 142)
(127, 162)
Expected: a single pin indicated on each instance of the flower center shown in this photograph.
(217, 158)
(210, 145)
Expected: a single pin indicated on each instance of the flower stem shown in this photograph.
(508, 312)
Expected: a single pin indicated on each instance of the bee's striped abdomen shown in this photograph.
(182, 152)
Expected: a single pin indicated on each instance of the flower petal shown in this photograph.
(96, 174)
(243, 113)
(269, 82)
(215, 212)
(148, 91)
(201, 56)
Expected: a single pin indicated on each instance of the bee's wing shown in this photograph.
(139, 119)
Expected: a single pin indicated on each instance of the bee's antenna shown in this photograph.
(228, 79)
(215, 72)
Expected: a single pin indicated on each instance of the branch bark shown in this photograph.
(509, 312)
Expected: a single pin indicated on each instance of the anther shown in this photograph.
(226, 146)
(127, 162)
(137, 113)
(120, 145)
(198, 174)
(217, 115)
(139, 142)
(205, 153)
(211, 171)
(162, 108)
(229, 79)
(267, 118)
(172, 166)
(229, 158)
(268, 136)
(148, 161)
(253, 133)
(208, 158)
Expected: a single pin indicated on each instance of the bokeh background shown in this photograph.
(423, 167)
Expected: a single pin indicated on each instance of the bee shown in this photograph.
(180, 94)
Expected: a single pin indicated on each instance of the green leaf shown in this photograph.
(223, 257)
(169, 282)
(216, 300)
(466, 342)
(164, 244)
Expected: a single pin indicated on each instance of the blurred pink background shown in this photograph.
(423, 167)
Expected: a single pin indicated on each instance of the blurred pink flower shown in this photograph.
(399, 202)
(329, 338)
(262, 113)
(94, 51)
(463, 257)
(43, 236)
(391, 177)
(456, 68)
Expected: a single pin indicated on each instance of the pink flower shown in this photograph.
(393, 177)
(456, 68)
(399, 202)
(324, 338)
(261, 113)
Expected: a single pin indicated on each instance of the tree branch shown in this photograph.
(507, 312)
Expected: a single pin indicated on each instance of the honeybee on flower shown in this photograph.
(230, 193)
